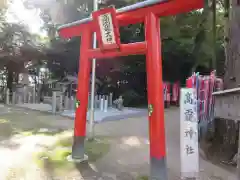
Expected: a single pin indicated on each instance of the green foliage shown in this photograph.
(143, 178)
(54, 158)
(187, 43)
(131, 98)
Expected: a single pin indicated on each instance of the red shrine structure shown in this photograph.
(106, 23)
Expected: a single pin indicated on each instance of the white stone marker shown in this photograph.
(189, 134)
(72, 103)
(13, 97)
(54, 102)
(96, 102)
(29, 97)
(25, 94)
(66, 103)
(19, 99)
(111, 99)
(34, 96)
(105, 105)
(7, 97)
(61, 103)
(101, 104)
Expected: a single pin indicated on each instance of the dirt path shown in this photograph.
(128, 156)
(132, 148)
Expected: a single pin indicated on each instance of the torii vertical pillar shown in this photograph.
(82, 96)
(155, 98)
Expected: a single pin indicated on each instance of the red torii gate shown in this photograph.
(147, 12)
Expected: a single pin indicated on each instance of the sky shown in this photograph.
(18, 13)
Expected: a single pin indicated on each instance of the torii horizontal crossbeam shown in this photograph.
(126, 50)
(135, 14)
(122, 10)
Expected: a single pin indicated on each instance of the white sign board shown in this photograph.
(189, 133)
(106, 28)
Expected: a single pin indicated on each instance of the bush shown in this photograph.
(132, 99)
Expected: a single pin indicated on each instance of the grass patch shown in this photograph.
(26, 133)
(41, 131)
(95, 149)
(4, 121)
(54, 158)
(142, 178)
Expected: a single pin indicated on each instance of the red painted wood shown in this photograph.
(172, 7)
(83, 84)
(155, 87)
(125, 50)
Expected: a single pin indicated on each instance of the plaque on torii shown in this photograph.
(107, 29)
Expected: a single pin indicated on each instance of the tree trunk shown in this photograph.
(214, 59)
(227, 134)
(232, 76)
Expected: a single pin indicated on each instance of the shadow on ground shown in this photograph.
(16, 122)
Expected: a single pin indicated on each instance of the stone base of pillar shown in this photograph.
(78, 149)
(158, 169)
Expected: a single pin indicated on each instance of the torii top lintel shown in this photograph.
(135, 14)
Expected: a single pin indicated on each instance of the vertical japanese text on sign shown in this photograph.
(189, 133)
(107, 29)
